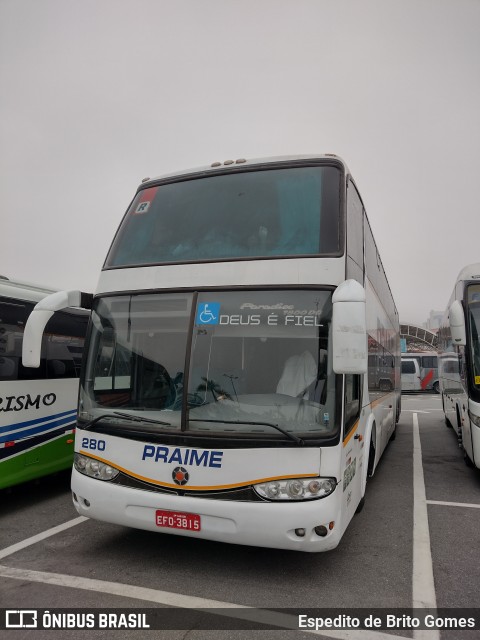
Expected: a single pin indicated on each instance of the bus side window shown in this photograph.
(8, 368)
(355, 217)
(63, 344)
(352, 401)
(13, 317)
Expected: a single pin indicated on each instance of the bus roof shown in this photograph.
(242, 162)
(23, 290)
(470, 272)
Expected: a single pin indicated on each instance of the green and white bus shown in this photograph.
(226, 393)
(38, 407)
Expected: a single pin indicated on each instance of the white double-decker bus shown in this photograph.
(459, 362)
(226, 392)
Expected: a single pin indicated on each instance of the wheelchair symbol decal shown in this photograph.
(208, 313)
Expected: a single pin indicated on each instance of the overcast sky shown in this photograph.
(97, 94)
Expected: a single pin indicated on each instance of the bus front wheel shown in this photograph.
(368, 472)
(360, 505)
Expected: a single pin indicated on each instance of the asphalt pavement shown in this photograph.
(412, 543)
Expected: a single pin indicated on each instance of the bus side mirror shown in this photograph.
(41, 314)
(456, 318)
(349, 329)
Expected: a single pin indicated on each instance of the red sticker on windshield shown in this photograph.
(142, 202)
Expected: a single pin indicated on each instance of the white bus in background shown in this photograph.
(427, 370)
(411, 380)
(225, 393)
(459, 362)
(38, 407)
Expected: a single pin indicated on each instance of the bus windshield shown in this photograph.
(474, 322)
(268, 213)
(225, 363)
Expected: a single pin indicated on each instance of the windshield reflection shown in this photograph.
(474, 312)
(257, 360)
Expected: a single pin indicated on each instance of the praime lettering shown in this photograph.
(194, 457)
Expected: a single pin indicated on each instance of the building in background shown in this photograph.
(414, 339)
(434, 320)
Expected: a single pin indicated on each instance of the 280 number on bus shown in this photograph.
(93, 444)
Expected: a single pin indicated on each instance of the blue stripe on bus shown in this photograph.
(29, 444)
(37, 430)
(28, 423)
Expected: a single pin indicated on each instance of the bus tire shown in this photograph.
(447, 421)
(360, 505)
(436, 387)
(368, 470)
(371, 456)
(466, 459)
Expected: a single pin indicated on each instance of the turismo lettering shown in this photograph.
(183, 456)
(19, 403)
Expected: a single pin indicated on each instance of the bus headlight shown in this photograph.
(296, 488)
(94, 468)
(475, 419)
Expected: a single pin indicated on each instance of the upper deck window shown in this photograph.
(264, 213)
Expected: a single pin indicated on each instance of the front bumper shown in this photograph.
(265, 524)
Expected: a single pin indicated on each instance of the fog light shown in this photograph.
(321, 531)
(300, 533)
(86, 502)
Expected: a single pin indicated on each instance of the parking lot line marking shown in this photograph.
(415, 411)
(7, 551)
(169, 599)
(423, 587)
(454, 504)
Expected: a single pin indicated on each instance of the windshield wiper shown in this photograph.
(293, 437)
(126, 416)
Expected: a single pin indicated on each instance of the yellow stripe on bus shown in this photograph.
(355, 426)
(350, 433)
(197, 488)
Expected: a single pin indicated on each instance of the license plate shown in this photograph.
(177, 520)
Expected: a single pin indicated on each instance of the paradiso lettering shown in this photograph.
(193, 457)
(22, 403)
